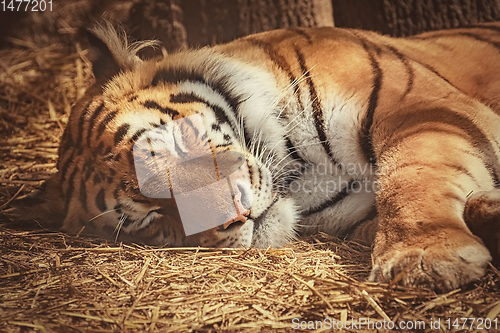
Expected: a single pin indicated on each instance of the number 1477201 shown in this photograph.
(26, 5)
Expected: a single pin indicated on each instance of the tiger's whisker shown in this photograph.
(99, 215)
(119, 226)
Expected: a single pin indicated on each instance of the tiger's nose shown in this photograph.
(241, 212)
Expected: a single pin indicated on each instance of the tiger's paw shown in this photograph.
(482, 215)
(442, 262)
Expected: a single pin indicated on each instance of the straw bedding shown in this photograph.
(50, 281)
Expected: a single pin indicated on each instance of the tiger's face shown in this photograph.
(156, 157)
(264, 216)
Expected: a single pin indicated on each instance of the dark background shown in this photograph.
(192, 23)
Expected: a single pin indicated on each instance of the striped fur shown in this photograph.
(338, 128)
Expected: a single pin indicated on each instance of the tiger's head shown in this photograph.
(185, 151)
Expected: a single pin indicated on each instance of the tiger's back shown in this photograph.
(338, 128)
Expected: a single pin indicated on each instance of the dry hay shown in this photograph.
(54, 282)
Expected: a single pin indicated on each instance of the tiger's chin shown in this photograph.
(274, 227)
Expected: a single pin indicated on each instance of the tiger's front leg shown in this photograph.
(426, 172)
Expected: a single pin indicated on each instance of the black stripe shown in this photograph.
(433, 70)
(365, 134)
(66, 164)
(116, 194)
(69, 192)
(481, 39)
(176, 75)
(446, 116)
(121, 187)
(83, 194)
(130, 156)
(81, 122)
(282, 183)
(332, 201)
(66, 143)
(474, 36)
(221, 117)
(106, 151)
(96, 179)
(302, 32)
(108, 157)
(183, 98)
(118, 208)
(100, 201)
(259, 219)
(182, 75)
(454, 196)
(190, 124)
(219, 113)
(280, 62)
(282, 65)
(92, 119)
(317, 111)
(223, 145)
(128, 221)
(409, 69)
(151, 151)
(137, 135)
(178, 149)
(98, 150)
(438, 167)
(165, 110)
(293, 152)
(121, 132)
(142, 201)
(88, 168)
(107, 154)
(105, 122)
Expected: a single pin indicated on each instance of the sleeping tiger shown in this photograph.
(394, 141)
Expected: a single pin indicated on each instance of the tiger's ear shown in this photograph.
(111, 53)
(104, 65)
(45, 205)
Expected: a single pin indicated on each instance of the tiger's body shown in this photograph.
(339, 128)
